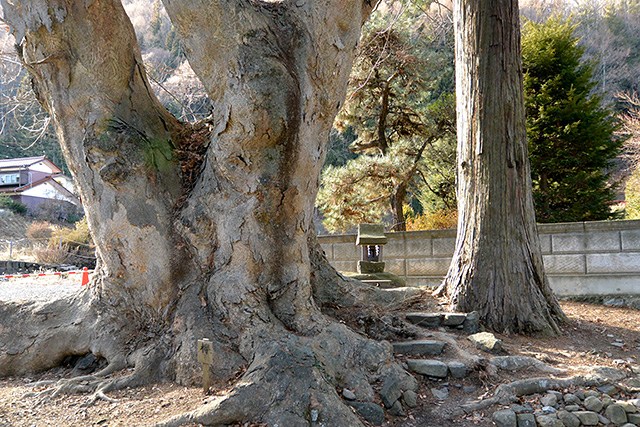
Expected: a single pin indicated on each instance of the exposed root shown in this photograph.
(456, 349)
(99, 395)
(95, 384)
(82, 385)
(293, 381)
(516, 363)
(508, 393)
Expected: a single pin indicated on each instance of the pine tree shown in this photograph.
(570, 133)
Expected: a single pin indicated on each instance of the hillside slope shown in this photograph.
(13, 226)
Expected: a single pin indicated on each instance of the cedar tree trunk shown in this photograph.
(497, 266)
(201, 230)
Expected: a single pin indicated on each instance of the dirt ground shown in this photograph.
(594, 335)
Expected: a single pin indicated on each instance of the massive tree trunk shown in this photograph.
(497, 266)
(201, 230)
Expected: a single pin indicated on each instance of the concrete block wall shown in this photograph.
(591, 258)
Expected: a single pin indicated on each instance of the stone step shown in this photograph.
(419, 347)
(436, 368)
(469, 322)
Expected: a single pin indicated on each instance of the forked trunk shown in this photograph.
(497, 266)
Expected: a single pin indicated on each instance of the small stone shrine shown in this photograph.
(371, 237)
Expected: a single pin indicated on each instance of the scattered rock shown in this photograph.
(549, 400)
(571, 399)
(410, 398)
(505, 418)
(580, 394)
(568, 419)
(549, 409)
(633, 384)
(603, 420)
(549, 421)
(526, 420)
(348, 394)
(634, 419)
(587, 418)
(397, 410)
(616, 414)
(370, 412)
(629, 407)
(557, 394)
(486, 341)
(431, 368)
(457, 369)
(469, 389)
(440, 394)
(390, 393)
(521, 408)
(592, 403)
(572, 408)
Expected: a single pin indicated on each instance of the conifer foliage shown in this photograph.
(570, 133)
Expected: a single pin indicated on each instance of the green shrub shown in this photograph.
(8, 203)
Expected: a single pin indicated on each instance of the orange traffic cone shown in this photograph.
(85, 276)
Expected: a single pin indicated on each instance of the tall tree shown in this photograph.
(400, 105)
(497, 266)
(571, 135)
(202, 230)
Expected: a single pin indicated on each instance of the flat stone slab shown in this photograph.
(431, 368)
(454, 319)
(419, 347)
(428, 320)
(457, 369)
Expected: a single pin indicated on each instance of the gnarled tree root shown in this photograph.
(293, 381)
(507, 393)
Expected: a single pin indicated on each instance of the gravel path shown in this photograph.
(38, 288)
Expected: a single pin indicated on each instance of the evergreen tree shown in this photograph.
(401, 108)
(570, 133)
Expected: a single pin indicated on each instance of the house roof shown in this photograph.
(24, 162)
(59, 187)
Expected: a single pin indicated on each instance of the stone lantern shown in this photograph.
(371, 237)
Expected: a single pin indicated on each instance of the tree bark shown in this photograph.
(202, 230)
(397, 204)
(497, 267)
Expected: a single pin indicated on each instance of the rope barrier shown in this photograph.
(85, 275)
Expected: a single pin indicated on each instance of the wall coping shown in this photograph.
(561, 227)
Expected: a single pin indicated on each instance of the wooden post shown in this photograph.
(205, 356)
